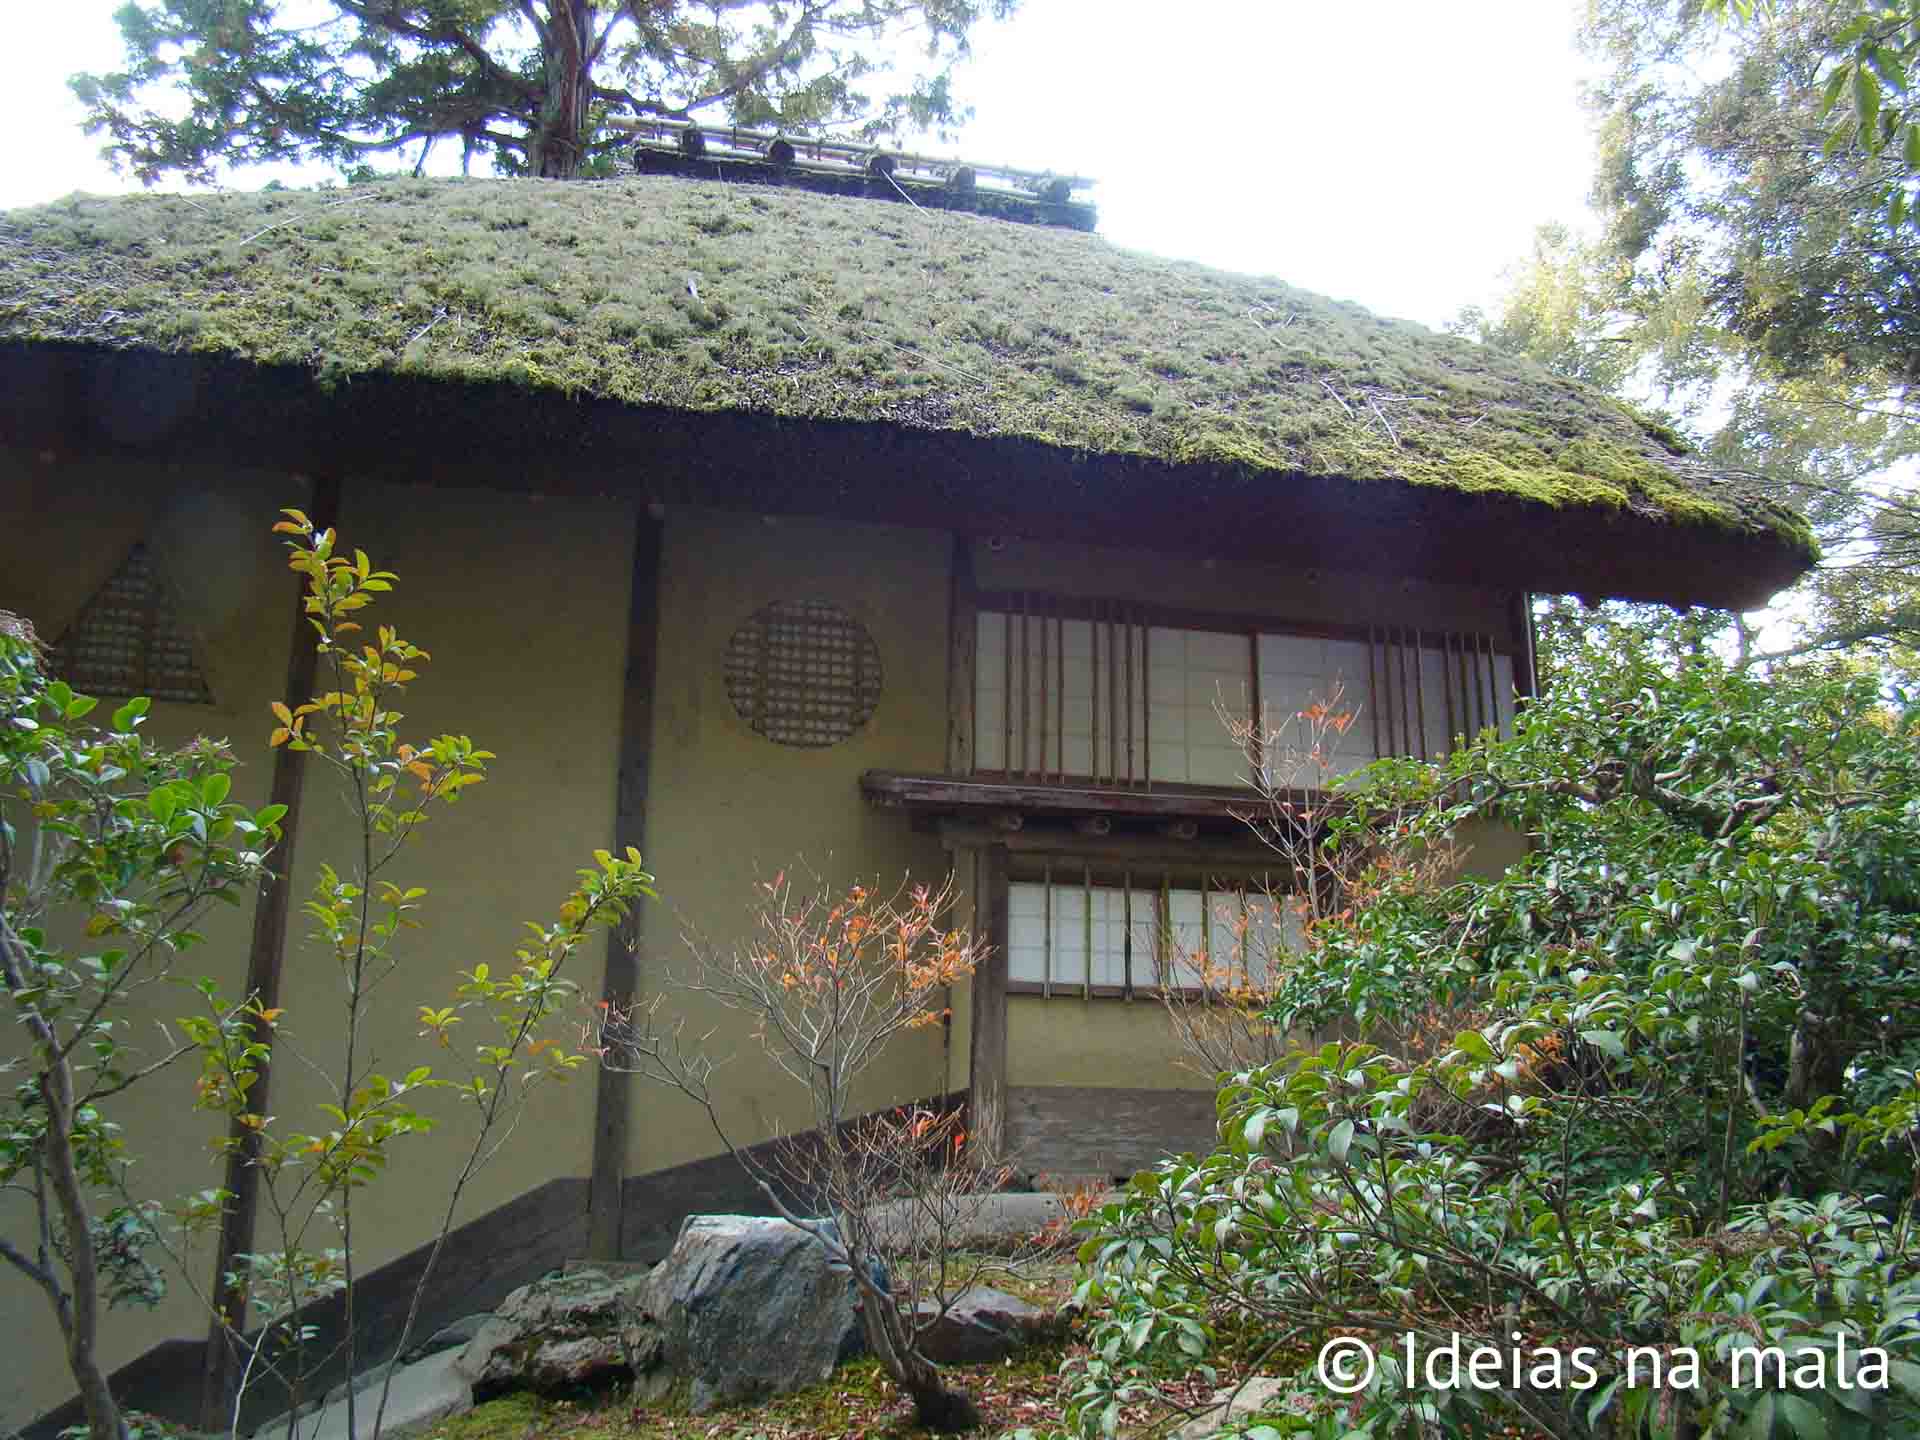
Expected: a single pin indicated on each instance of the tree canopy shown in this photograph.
(1751, 277)
(1652, 1089)
(525, 82)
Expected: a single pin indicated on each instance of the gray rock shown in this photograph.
(744, 1307)
(451, 1337)
(1258, 1393)
(428, 1391)
(557, 1333)
(982, 1326)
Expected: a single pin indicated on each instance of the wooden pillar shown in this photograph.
(962, 610)
(613, 1094)
(1526, 678)
(264, 958)
(987, 1057)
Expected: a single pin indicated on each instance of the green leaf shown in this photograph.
(1340, 1140)
(1802, 1415)
(1866, 106)
(1255, 1130)
(1607, 1042)
(215, 788)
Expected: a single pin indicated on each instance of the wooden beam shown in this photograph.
(987, 1047)
(940, 792)
(265, 954)
(1239, 852)
(613, 1092)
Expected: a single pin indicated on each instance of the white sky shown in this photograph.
(1397, 153)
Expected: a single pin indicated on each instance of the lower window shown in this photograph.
(1086, 935)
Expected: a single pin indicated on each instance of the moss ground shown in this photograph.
(704, 296)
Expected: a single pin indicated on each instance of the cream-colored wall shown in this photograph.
(64, 528)
(1102, 1042)
(727, 807)
(523, 604)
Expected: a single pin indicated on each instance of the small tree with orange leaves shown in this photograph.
(828, 980)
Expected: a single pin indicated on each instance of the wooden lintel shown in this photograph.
(271, 909)
(959, 794)
(1233, 852)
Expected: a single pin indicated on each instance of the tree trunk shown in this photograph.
(79, 1312)
(104, 1420)
(559, 144)
(889, 1336)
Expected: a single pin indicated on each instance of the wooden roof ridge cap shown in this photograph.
(754, 141)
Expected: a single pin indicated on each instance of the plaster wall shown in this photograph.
(65, 527)
(727, 808)
(522, 604)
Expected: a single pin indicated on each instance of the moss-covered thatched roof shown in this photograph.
(699, 296)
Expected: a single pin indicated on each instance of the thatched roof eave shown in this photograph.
(65, 401)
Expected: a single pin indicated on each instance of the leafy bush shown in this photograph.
(1687, 1123)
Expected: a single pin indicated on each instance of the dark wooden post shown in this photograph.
(264, 958)
(613, 1093)
(962, 609)
(987, 1055)
(1526, 679)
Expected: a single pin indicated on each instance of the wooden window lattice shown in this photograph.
(130, 640)
(803, 672)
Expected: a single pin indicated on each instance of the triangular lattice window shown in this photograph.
(130, 640)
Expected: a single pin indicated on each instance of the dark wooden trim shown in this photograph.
(654, 1205)
(1031, 849)
(1074, 1130)
(987, 1038)
(986, 790)
(962, 643)
(264, 959)
(1526, 678)
(1032, 989)
(482, 1262)
(612, 1106)
(1167, 617)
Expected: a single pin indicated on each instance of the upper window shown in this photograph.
(130, 640)
(803, 672)
(1110, 697)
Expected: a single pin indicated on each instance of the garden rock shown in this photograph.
(1259, 1393)
(451, 1337)
(982, 1326)
(745, 1307)
(559, 1333)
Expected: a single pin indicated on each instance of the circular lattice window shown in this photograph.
(803, 672)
